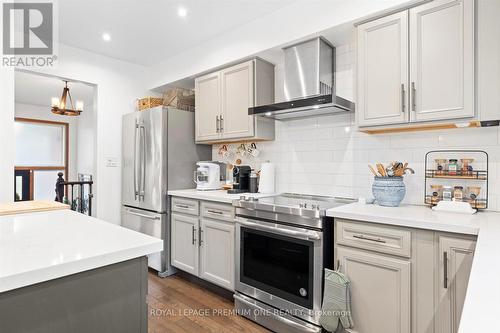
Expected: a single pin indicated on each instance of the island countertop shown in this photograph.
(482, 301)
(37, 247)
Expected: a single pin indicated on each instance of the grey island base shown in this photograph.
(107, 299)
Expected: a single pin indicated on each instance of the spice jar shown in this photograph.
(436, 193)
(458, 193)
(440, 165)
(453, 167)
(473, 192)
(466, 166)
(447, 193)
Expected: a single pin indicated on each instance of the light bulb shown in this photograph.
(55, 102)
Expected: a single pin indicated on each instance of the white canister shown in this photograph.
(267, 178)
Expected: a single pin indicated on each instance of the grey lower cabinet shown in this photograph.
(455, 262)
(380, 291)
(403, 280)
(202, 242)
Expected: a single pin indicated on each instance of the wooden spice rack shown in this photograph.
(451, 178)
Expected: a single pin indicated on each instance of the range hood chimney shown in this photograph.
(309, 85)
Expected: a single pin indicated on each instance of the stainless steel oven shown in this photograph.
(279, 268)
(283, 243)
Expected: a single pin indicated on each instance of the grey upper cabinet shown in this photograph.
(417, 65)
(223, 99)
(442, 60)
(383, 71)
(208, 100)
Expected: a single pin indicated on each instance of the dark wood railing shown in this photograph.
(79, 203)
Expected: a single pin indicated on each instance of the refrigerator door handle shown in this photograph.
(143, 165)
(136, 187)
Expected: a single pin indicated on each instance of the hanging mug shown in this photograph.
(253, 151)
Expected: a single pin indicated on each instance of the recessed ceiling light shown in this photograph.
(182, 12)
(106, 37)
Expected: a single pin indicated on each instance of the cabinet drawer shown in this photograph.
(186, 206)
(378, 238)
(217, 211)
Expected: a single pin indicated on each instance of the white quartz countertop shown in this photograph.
(216, 195)
(482, 302)
(37, 247)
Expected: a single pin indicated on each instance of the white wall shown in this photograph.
(280, 27)
(43, 112)
(118, 85)
(327, 156)
(6, 134)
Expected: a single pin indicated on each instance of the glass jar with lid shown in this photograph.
(452, 166)
(447, 193)
(458, 193)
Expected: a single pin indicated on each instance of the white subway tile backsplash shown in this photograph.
(327, 155)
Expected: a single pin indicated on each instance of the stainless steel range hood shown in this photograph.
(309, 85)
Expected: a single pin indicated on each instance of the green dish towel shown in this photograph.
(336, 307)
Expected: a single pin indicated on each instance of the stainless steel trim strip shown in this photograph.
(296, 324)
(143, 215)
(311, 223)
(276, 229)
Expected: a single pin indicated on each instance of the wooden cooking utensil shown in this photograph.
(381, 170)
(373, 170)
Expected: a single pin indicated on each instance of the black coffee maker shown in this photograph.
(241, 179)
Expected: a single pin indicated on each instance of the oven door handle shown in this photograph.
(308, 235)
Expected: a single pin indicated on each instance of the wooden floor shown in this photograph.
(176, 304)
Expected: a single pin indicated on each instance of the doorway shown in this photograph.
(49, 146)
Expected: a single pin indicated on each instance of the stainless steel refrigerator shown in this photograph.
(158, 154)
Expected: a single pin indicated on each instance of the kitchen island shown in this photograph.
(61, 271)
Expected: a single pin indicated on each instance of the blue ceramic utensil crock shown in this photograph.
(388, 191)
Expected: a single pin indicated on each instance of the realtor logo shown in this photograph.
(28, 37)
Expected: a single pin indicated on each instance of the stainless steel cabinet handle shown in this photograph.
(445, 268)
(200, 235)
(215, 211)
(363, 237)
(403, 104)
(182, 206)
(143, 215)
(413, 97)
(221, 128)
(193, 235)
(217, 123)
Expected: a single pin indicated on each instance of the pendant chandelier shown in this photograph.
(61, 107)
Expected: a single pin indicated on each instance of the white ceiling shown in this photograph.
(149, 31)
(38, 90)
